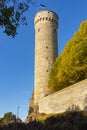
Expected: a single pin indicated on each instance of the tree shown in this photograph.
(71, 66)
(12, 15)
(7, 118)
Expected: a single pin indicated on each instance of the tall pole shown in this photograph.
(18, 111)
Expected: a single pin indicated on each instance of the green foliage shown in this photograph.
(12, 15)
(71, 66)
(7, 118)
(75, 120)
(67, 121)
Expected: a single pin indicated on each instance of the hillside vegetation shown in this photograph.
(74, 120)
(71, 66)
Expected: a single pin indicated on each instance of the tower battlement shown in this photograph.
(46, 16)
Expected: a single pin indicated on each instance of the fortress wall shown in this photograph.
(75, 95)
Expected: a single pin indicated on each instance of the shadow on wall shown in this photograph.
(76, 107)
(73, 108)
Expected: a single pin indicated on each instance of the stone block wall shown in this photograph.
(72, 97)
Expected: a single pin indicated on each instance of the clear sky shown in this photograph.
(17, 54)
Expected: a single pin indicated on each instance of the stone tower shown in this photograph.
(46, 50)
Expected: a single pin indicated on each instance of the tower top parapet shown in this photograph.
(46, 15)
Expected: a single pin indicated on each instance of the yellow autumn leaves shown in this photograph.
(71, 66)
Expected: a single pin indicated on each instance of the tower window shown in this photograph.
(46, 46)
(52, 20)
(46, 18)
(54, 30)
(49, 19)
(43, 18)
(46, 58)
(38, 30)
(47, 70)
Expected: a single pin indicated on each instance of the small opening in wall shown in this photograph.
(38, 30)
(47, 70)
(46, 46)
(46, 18)
(49, 19)
(43, 18)
(54, 30)
(52, 20)
(46, 58)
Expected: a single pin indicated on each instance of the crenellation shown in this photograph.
(46, 16)
(44, 19)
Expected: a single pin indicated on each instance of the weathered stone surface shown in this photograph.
(46, 51)
(72, 97)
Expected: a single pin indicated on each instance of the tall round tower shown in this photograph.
(46, 51)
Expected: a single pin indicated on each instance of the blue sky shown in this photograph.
(17, 54)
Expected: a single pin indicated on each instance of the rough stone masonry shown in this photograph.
(46, 51)
(71, 98)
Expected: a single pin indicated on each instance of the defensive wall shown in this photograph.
(72, 97)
